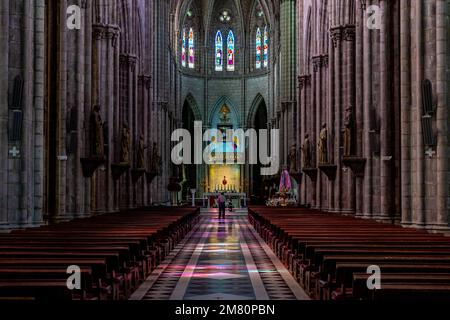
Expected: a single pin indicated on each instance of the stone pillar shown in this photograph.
(317, 115)
(302, 127)
(387, 156)
(288, 71)
(4, 81)
(112, 105)
(331, 65)
(442, 113)
(368, 121)
(405, 111)
(85, 110)
(39, 65)
(358, 107)
(417, 53)
(334, 129)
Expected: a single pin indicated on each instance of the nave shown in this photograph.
(221, 259)
(259, 253)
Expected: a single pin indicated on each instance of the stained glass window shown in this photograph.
(191, 49)
(266, 47)
(219, 51)
(258, 49)
(230, 51)
(183, 49)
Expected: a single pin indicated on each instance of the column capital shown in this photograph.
(128, 59)
(145, 80)
(106, 31)
(304, 80)
(336, 34)
(349, 32)
(317, 62)
(98, 31)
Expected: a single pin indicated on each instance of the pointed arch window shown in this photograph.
(266, 47)
(191, 49)
(183, 48)
(258, 48)
(230, 51)
(219, 51)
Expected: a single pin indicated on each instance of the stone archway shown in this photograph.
(190, 114)
(257, 120)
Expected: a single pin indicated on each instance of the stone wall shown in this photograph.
(378, 72)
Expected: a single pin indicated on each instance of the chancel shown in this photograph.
(322, 126)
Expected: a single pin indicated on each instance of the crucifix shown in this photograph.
(430, 153)
(14, 152)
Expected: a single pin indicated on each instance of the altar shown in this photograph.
(239, 199)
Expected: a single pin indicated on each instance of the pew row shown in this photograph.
(330, 255)
(114, 252)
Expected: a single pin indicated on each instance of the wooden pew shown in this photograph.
(324, 251)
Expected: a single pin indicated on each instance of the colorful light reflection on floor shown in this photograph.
(221, 260)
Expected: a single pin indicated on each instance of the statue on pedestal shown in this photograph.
(156, 159)
(141, 152)
(306, 148)
(348, 132)
(125, 145)
(323, 144)
(293, 158)
(96, 136)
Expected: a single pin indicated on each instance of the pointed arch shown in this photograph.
(191, 45)
(194, 106)
(230, 51)
(258, 48)
(219, 103)
(256, 104)
(183, 47)
(219, 51)
(266, 47)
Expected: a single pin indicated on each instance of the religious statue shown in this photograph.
(156, 159)
(323, 144)
(125, 145)
(140, 153)
(306, 148)
(97, 138)
(224, 181)
(348, 132)
(293, 158)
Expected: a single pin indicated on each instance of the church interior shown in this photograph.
(347, 99)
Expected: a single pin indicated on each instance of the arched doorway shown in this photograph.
(189, 172)
(258, 192)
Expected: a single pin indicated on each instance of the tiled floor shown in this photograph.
(221, 260)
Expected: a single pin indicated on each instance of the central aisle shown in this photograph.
(221, 260)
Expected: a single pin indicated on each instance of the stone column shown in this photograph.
(302, 127)
(317, 112)
(368, 125)
(334, 129)
(359, 114)
(350, 100)
(112, 106)
(88, 101)
(39, 65)
(387, 156)
(4, 81)
(442, 113)
(405, 111)
(416, 110)
(288, 68)
(331, 92)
